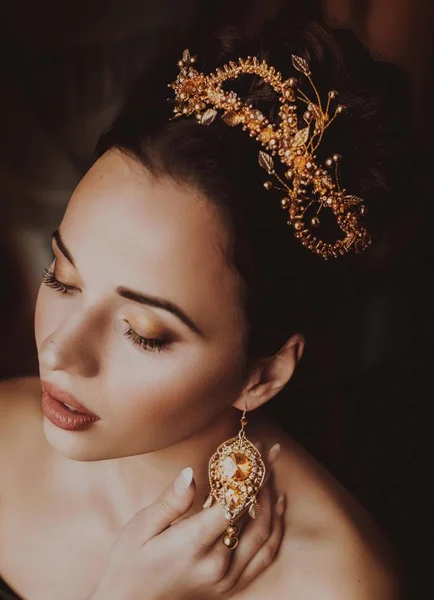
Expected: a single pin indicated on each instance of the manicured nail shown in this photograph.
(183, 481)
(274, 452)
(280, 505)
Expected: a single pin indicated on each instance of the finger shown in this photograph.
(173, 502)
(272, 455)
(266, 555)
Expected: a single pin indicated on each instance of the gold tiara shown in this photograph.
(294, 144)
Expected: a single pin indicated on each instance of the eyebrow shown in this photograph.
(137, 296)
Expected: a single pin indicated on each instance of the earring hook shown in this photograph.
(244, 421)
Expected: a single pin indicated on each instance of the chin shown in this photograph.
(86, 445)
(75, 445)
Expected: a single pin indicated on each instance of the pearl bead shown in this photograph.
(268, 185)
(231, 529)
(329, 162)
(230, 541)
(333, 94)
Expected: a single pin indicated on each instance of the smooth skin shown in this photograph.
(65, 496)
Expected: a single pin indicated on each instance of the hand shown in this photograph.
(154, 559)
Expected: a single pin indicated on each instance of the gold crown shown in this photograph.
(295, 145)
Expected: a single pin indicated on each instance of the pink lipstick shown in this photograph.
(64, 410)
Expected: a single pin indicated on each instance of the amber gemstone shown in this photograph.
(232, 498)
(237, 466)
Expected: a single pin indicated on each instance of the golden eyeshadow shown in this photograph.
(148, 327)
(62, 275)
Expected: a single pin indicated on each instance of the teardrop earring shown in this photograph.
(236, 473)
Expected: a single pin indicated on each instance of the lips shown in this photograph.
(67, 399)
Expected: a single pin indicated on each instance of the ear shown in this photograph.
(270, 375)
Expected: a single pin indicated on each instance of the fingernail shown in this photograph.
(274, 452)
(280, 505)
(183, 481)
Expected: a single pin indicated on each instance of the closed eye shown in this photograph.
(70, 290)
(146, 343)
(63, 288)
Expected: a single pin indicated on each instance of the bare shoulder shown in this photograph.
(332, 548)
(338, 561)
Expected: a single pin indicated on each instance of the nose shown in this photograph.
(74, 346)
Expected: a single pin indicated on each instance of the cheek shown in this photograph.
(169, 396)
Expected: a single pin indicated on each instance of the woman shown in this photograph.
(175, 301)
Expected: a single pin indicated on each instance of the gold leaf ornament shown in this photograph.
(186, 57)
(232, 118)
(301, 65)
(254, 510)
(208, 116)
(266, 162)
(300, 137)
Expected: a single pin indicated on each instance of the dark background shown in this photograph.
(361, 400)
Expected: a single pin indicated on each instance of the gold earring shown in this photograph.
(236, 473)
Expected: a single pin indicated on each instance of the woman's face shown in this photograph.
(125, 238)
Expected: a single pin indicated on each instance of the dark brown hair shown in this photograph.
(284, 281)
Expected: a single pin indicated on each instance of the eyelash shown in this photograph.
(51, 281)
